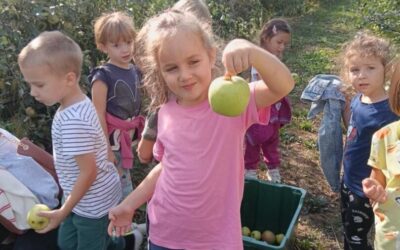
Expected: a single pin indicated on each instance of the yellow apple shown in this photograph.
(255, 234)
(37, 222)
(229, 95)
(279, 238)
(246, 231)
(268, 237)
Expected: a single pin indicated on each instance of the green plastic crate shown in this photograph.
(274, 207)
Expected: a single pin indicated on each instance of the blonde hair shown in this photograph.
(365, 44)
(198, 8)
(151, 37)
(112, 27)
(55, 50)
(394, 90)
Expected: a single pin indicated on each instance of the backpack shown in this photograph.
(27, 148)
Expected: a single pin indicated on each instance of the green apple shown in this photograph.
(37, 222)
(229, 95)
(279, 238)
(268, 237)
(246, 231)
(295, 77)
(255, 234)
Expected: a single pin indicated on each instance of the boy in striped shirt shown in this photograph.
(51, 65)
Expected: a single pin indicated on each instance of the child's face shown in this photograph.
(367, 75)
(46, 87)
(185, 65)
(277, 44)
(120, 53)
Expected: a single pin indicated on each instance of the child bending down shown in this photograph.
(366, 60)
(51, 65)
(383, 186)
(197, 187)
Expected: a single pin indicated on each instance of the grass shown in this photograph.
(317, 38)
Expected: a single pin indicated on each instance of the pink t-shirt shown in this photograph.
(196, 203)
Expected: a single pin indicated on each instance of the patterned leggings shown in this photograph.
(357, 219)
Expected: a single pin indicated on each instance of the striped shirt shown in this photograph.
(76, 130)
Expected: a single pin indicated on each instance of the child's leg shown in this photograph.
(67, 234)
(251, 156)
(125, 176)
(270, 147)
(91, 234)
(357, 219)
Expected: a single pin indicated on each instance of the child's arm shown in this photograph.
(87, 175)
(149, 136)
(121, 215)
(99, 99)
(145, 150)
(276, 82)
(374, 186)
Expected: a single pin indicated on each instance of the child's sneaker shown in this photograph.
(251, 174)
(133, 239)
(141, 227)
(274, 176)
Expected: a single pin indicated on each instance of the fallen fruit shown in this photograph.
(37, 222)
(229, 95)
(268, 237)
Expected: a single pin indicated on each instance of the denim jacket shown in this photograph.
(324, 94)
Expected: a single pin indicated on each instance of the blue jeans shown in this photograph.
(155, 247)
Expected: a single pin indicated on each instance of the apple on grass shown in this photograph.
(229, 95)
(37, 222)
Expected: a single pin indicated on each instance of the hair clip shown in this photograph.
(274, 30)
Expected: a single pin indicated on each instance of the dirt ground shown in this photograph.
(319, 225)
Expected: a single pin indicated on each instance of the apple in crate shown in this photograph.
(246, 231)
(255, 234)
(229, 95)
(268, 236)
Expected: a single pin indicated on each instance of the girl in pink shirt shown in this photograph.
(195, 191)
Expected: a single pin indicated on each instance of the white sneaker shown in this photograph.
(250, 174)
(141, 227)
(274, 176)
(138, 239)
(138, 235)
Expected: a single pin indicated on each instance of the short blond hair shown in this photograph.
(112, 27)
(55, 50)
